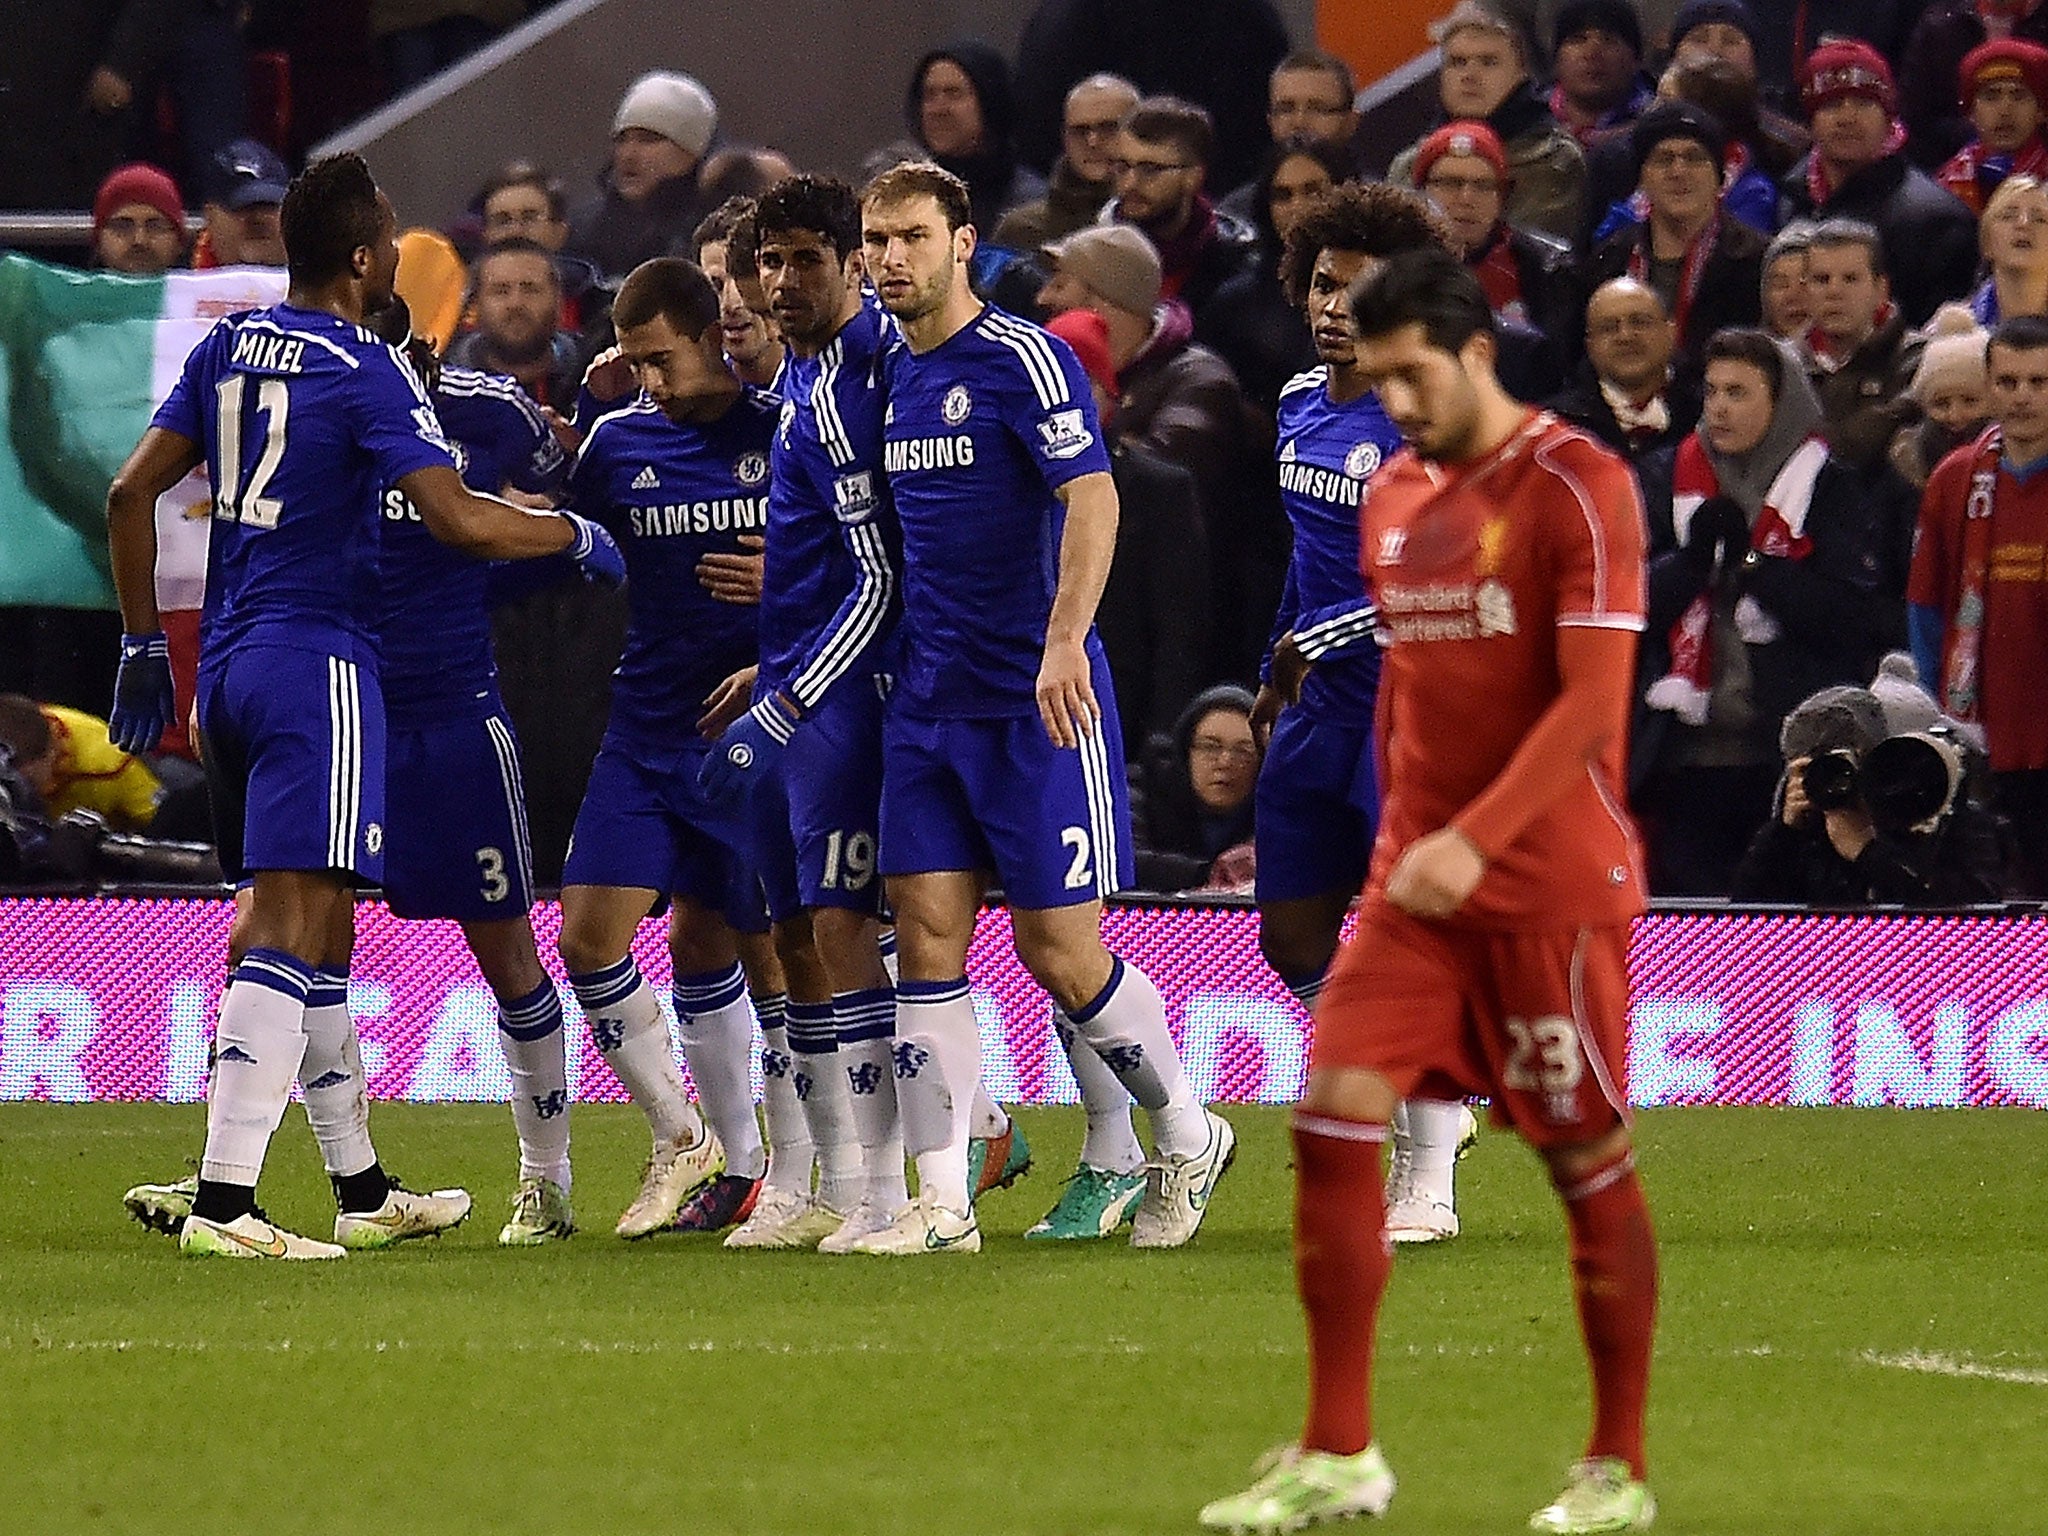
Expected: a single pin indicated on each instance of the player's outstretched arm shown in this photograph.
(492, 529)
(1066, 697)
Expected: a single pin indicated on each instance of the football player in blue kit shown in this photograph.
(301, 417)
(1001, 752)
(1318, 794)
(679, 471)
(807, 757)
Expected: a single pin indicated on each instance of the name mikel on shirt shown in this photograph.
(724, 514)
(263, 353)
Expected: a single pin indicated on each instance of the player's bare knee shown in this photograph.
(1074, 968)
(699, 940)
(1576, 1163)
(584, 946)
(1350, 1093)
(506, 955)
(847, 947)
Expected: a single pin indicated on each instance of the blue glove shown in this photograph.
(596, 553)
(744, 756)
(144, 701)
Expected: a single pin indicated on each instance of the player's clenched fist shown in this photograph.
(1436, 873)
(1066, 697)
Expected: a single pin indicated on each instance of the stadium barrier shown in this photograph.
(113, 999)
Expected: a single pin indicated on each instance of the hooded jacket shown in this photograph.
(996, 183)
(1177, 839)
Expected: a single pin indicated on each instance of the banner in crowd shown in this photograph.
(85, 357)
(114, 999)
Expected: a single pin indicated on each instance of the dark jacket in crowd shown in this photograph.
(1863, 402)
(1928, 99)
(1215, 53)
(1959, 863)
(1930, 238)
(1155, 616)
(1249, 323)
(996, 183)
(1585, 406)
(58, 149)
(1547, 167)
(568, 356)
(1553, 293)
(1730, 291)
(1067, 204)
(1177, 839)
(616, 236)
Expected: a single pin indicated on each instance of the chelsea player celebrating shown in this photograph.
(1001, 750)
(681, 472)
(301, 416)
(809, 753)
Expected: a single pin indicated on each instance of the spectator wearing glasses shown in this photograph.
(1161, 168)
(1198, 806)
(1628, 395)
(523, 202)
(1311, 99)
(1091, 123)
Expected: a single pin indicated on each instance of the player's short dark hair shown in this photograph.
(819, 205)
(329, 213)
(1425, 286)
(1747, 344)
(24, 731)
(2019, 333)
(667, 288)
(1170, 120)
(716, 227)
(1833, 234)
(1302, 60)
(921, 178)
(524, 173)
(1375, 218)
(390, 321)
(518, 245)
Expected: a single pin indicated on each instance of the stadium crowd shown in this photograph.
(1764, 267)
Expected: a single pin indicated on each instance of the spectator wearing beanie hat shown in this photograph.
(1706, 266)
(1598, 62)
(1936, 114)
(1727, 30)
(1952, 391)
(1858, 170)
(1485, 76)
(1155, 610)
(138, 222)
(1531, 279)
(2003, 86)
(648, 200)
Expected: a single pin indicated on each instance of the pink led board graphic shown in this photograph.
(114, 999)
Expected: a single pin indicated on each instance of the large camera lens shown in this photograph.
(1907, 779)
(1831, 780)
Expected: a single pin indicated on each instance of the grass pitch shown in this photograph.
(1854, 1340)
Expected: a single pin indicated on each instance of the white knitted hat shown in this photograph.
(675, 106)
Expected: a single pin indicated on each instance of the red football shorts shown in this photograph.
(1536, 1020)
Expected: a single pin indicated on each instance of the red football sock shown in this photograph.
(1341, 1263)
(1614, 1275)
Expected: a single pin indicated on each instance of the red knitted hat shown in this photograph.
(137, 182)
(1847, 66)
(2010, 58)
(1464, 137)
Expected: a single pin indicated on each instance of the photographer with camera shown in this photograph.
(1869, 817)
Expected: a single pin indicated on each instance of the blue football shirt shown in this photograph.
(671, 493)
(433, 621)
(829, 591)
(303, 418)
(980, 432)
(1327, 452)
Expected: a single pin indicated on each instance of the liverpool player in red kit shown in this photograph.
(1506, 551)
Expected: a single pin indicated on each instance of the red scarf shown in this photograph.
(1817, 189)
(1779, 531)
(1697, 255)
(1973, 173)
(1962, 651)
(1500, 276)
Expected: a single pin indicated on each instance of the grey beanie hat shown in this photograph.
(1833, 720)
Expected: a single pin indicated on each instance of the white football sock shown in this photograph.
(986, 1117)
(717, 1028)
(625, 1021)
(822, 1090)
(1433, 1130)
(867, 1037)
(331, 1078)
(938, 1062)
(260, 1042)
(1112, 1141)
(789, 1137)
(536, 1054)
(1126, 1024)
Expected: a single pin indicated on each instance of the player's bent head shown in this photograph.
(1371, 219)
(1425, 340)
(669, 289)
(332, 212)
(822, 206)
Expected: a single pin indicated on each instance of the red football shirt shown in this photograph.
(2013, 696)
(1475, 568)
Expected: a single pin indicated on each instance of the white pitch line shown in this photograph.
(1925, 1364)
